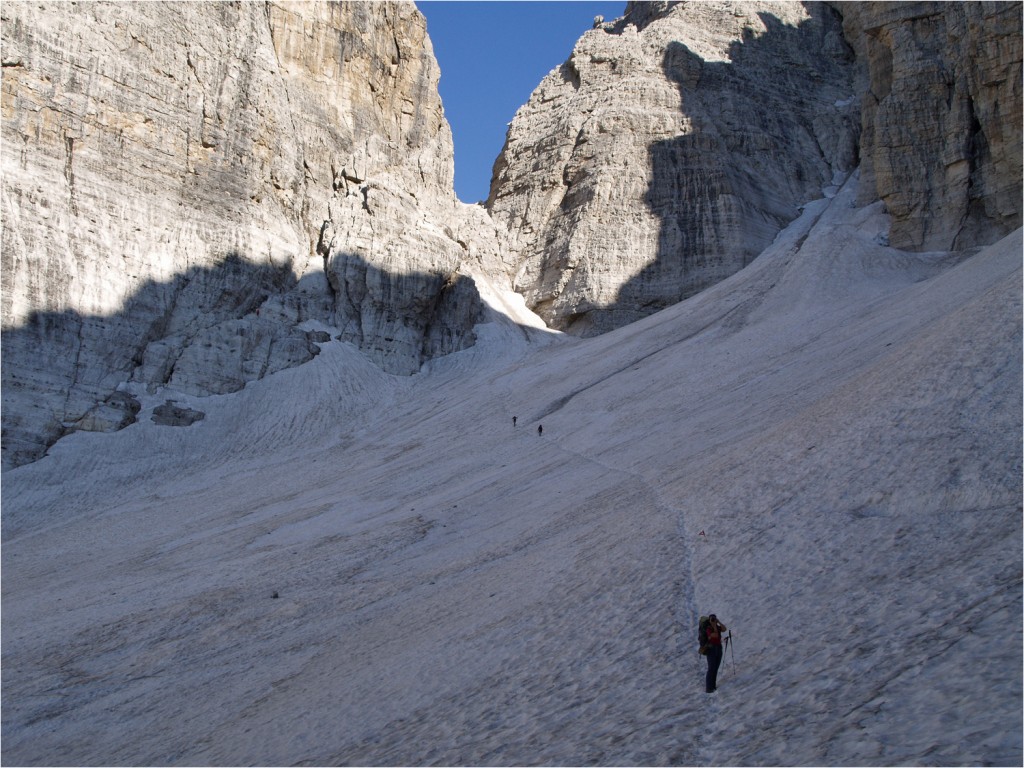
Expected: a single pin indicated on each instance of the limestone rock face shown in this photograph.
(197, 195)
(186, 186)
(941, 105)
(668, 151)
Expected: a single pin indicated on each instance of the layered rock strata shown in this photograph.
(668, 151)
(187, 186)
(940, 93)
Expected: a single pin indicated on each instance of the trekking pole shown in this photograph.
(727, 642)
(725, 650)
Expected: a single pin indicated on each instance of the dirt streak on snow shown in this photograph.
(841, 420)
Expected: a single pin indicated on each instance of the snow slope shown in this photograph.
(338, 566)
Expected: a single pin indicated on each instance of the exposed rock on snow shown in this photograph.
(116, 412)
(668, 151)
(171, 415)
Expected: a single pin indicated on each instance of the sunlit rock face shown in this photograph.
(940, 92)
(668, 151)
(186, 184)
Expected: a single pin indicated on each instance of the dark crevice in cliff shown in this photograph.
(570, 74)
(458, 298)
(69, 172)
(976, 149)
(323, 249)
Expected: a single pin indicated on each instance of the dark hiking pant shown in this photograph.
(714, 662)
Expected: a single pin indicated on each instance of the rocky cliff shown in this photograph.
(196, 195)
(188, 188)
(675, 142)
(940, 94)
(668, 151)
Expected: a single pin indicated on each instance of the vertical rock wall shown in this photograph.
(675, 142)
(668, 151)
(940, 87)
(186, 184)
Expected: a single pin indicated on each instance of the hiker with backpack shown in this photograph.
(710, 636)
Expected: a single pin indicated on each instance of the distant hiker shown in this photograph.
(540, 429)
(709, 634)
(513, 421)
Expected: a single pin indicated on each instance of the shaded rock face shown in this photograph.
(186, 184)
(668, 151)
(116, 412)
(395, 276)
(940, 87)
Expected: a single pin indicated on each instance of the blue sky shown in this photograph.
(492, 55)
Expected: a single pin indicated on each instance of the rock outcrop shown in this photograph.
(187, 186)
(668, 151)
(171, 415)
(940, 92)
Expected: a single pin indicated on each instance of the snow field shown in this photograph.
(842, 420)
